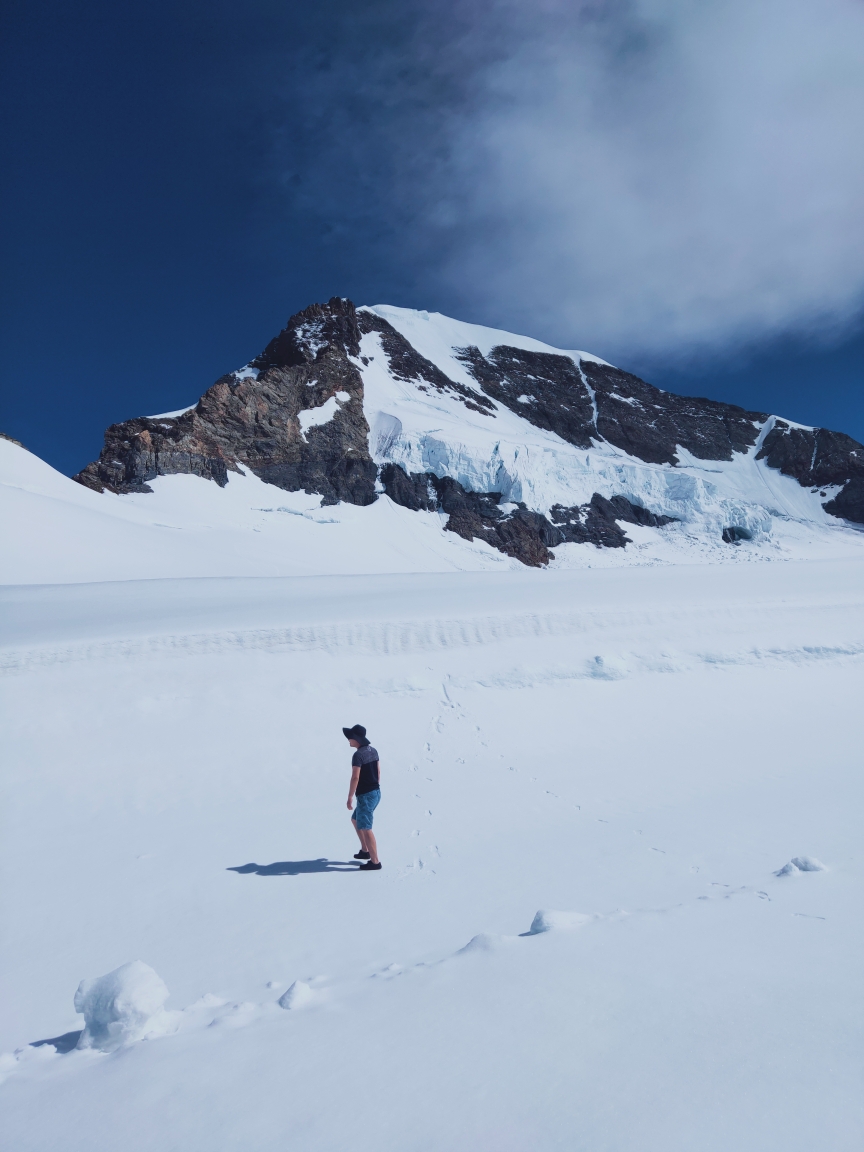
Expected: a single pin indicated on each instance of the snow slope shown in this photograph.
(56, 531)
(634, 754)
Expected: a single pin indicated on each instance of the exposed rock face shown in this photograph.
(850, 502)
(589, 400)
(818, 458)
(264, 418)
(546, 389)
(527, 535)
(295, 418)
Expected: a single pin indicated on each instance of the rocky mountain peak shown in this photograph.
(317, 331)
(298, 417)
(293, 416)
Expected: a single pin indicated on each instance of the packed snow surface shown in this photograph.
(620, 906)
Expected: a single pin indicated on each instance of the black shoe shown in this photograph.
(370, 867)
(361, 855)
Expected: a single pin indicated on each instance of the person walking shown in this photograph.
(366, 786)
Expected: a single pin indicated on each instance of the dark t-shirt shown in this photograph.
(367, 761)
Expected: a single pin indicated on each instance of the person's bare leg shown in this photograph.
(359, 833)
(370, 845)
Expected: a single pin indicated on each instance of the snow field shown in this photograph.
(175, 794)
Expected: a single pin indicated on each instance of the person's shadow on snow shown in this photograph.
(296, 867)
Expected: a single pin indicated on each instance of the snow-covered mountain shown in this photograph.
(509, 442)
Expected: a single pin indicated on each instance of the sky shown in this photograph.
(674, 186)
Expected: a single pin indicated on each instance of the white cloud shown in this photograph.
(662, 174)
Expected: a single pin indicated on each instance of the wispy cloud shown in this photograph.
(643, 176)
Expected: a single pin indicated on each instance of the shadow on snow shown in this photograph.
(63, 1044)
(296, 867)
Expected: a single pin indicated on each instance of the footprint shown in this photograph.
(660, 850)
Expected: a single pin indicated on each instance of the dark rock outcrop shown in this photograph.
(818, 459)
(256, 421)
(526, 535)
(588, 401)
(734, 534)
(546, 389)
(597, 521)
(849, 504)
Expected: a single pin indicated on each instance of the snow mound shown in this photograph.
(297, 996)
(483, 942)
(123, 1006)
(801, 864)
(548, 920)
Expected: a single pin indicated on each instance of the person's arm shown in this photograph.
(379, 773)
(355, 780)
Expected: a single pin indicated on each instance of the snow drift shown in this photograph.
(122, 1007)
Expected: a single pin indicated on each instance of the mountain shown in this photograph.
(516, 444)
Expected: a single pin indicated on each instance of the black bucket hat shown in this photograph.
(358, 732)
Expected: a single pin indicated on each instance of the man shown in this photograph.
(366, 786)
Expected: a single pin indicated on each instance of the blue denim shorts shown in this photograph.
(366, 805)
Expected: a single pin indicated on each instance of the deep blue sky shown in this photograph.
(180, 177)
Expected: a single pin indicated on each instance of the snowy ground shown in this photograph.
(646, 747)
